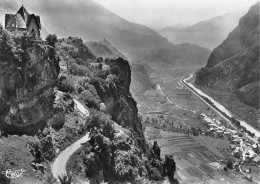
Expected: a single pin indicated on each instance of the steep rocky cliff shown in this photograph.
(234, 65)
(27, 79)
(118, 99)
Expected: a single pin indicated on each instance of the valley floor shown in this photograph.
(171, 110)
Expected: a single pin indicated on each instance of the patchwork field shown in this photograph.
(196, 162)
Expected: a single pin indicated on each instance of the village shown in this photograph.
(244, 149)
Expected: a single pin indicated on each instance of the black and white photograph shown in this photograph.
(129, 92)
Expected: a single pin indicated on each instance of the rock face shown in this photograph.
(27, 79)
(234, 65)
(119, 101)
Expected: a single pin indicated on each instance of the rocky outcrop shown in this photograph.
(27, 79)
(235, 65)
(119, 101)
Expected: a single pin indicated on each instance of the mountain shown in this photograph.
(92, 22)
(140, 79)
(208, 33)
(177, 26)
(235, 65)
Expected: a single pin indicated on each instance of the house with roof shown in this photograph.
(23, 21)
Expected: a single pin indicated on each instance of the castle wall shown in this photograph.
(31, 26)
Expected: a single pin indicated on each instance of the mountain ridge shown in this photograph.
(235, 65)
(207, 33)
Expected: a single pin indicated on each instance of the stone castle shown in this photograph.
(24, 21)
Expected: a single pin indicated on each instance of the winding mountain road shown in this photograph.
(59, 165)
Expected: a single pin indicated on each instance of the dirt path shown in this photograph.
(160, 89)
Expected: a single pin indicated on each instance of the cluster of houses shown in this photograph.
(217, 127)
(245, 149)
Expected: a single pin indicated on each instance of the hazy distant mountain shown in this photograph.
(208, 33)
(177, 26)
(92, 22)
(235, 65)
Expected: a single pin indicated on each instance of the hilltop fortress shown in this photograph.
(23, 21)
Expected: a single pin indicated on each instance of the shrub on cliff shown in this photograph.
(47, 148)
(82, 62)
(100, 122)
(155, 169)
(90, 99)
(57, 121)
(125, 166)
(103, 74)
(92, 164)
(79, 70)
(51, 41)
(128, 166)
(67, 84)
(9, 52)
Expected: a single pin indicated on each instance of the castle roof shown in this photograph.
(15, 21)
(23, 12)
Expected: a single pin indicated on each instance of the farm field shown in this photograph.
(195, 160)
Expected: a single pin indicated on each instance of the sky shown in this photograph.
(156, 14)
(163, 13)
